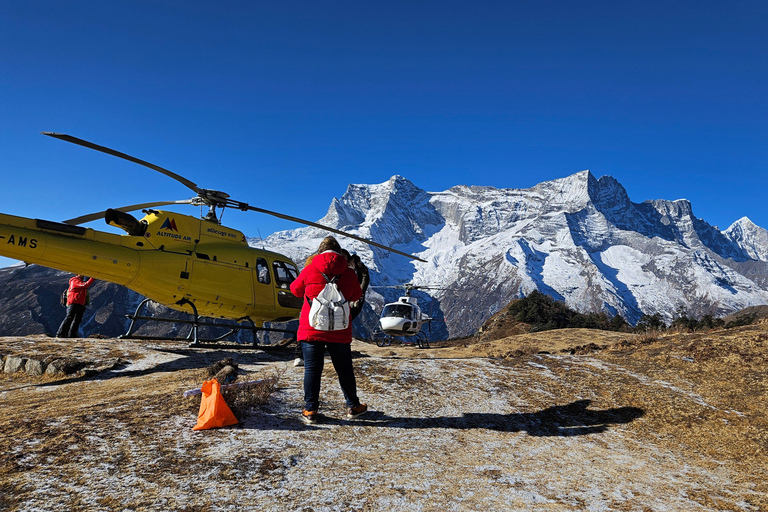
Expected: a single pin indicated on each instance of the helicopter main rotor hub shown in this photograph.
(213, 197)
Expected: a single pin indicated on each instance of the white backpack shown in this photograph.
(329, 311)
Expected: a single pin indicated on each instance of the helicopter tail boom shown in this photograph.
(68, 248)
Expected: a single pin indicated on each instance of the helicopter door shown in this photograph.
(264, 296)
(220, 287)
(285, 274)
(416, 316)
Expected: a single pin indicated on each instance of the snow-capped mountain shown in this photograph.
(578, 239)
(752, 239)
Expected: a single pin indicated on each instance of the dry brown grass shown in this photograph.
(499, 425)
(249, 395)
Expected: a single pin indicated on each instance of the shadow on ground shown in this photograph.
(574, 419)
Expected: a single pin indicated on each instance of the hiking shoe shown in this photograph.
(298, 362)
(357, 411)
(309, 417)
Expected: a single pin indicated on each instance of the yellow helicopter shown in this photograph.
(180, 261)
(403, 318)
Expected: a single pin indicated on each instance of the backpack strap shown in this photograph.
(327, 280)
(330, 280)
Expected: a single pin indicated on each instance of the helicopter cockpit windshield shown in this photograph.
(285, 274)
(397, 310)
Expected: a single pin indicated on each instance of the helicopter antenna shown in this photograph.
(214, 198)
(260, 238)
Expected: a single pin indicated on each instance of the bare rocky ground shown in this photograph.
(561, 420)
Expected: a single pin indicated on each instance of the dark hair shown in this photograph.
(346, 255)
(329, 244)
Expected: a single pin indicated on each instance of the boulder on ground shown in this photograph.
(34, 367)
(14, 364)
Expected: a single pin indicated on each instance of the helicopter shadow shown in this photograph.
(574, 419)
(194, 359)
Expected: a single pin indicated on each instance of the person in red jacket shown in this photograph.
(311, 281)
(77, 295)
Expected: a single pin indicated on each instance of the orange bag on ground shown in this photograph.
(214, 411)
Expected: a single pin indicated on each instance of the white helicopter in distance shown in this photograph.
(403, 318)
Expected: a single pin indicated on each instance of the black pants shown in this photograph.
(314, 359)
(71, 323)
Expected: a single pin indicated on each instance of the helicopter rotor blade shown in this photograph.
(211, 197)
(74, 140)
(100, 215)
(408, 286)
(326, 228)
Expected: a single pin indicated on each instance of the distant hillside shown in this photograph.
(539, 312)
(30, 305)
(501, 325)
(759, 312)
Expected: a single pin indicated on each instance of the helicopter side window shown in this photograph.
(285, 274)
(262, 271)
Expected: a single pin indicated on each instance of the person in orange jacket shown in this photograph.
(77, 296)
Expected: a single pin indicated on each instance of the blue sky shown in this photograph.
(282, 104)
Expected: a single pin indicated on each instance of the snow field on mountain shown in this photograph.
(578, 238)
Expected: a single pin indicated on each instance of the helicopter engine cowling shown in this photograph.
(126, 222)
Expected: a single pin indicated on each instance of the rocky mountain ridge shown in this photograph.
(579, 239)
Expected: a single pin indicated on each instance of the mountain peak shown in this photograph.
(398, 180)
(744, 223)
(752, 239)
(609, 195)
(571, 193)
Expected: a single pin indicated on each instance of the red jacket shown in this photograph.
(78, 291)
(310, 283)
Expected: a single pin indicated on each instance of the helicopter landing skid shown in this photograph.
(244, 323)
(385, 340)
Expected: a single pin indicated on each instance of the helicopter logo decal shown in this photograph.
(22, 242)
(221, 233)
(169, 230)
(170, 224)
